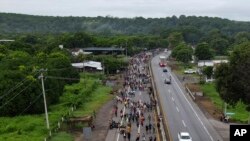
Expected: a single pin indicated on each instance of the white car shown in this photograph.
(184, 136)
(189, 71)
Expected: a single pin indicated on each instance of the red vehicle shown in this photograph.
(163, 61)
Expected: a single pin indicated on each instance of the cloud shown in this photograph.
(232, 9)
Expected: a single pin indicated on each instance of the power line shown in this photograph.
(15, 87)
(31, 104)
(62, 78)
(34, 102)
(15, 95)
(60, 69)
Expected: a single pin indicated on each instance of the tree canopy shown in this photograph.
(233, 79)
(203, 52)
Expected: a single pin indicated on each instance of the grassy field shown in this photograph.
(89, 92)
(241, 115)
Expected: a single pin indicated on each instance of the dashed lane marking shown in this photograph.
(184, 123)
(172, 99)
(177, 109)
(192, 108)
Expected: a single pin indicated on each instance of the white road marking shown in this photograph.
(172, 99)
(177, 109)
(184, 123)
(192, 108)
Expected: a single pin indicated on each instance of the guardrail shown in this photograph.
(163, 125)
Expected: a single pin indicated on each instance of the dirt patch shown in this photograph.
(193, 87)
(103, 114)
(173, 65)
(208, 107)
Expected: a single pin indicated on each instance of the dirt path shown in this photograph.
(100, 122)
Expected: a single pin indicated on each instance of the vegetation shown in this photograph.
(208, 71)
(32, 127)
(239, 109)
(182, 53)
(233, 82)
(203, 52)
(19, 71)
(192, 27)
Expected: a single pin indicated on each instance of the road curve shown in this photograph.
(181, 113)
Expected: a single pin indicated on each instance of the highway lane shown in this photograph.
(181, 112)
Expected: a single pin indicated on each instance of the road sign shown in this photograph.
(229, 114)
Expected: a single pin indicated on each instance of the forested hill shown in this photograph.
(19, 23)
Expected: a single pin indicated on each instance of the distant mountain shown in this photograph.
(19, 23)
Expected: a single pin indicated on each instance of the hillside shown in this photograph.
(19, 23)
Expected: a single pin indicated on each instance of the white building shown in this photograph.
(89, 65)
(211, 63)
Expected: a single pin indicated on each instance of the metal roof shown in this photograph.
(103, 49)
(92, 64)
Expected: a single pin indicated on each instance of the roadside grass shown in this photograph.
(62, 136)
(241, 115)
(99, 97)
(89, 91)
(22, 128)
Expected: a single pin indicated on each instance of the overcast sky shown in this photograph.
(231, 9)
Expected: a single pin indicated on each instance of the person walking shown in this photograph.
(137, 137)
(150, 138)
(143, 137)
(124, 135)
(149, 127)
(155, 138)
(149, 118)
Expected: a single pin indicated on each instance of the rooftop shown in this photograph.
(103, 49)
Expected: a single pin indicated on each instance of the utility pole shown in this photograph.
(225, 108)
(44, 98)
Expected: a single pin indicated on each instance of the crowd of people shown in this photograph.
(133, 109)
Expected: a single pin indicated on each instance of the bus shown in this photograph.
(163, 61)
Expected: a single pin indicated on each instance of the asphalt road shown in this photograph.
(180, 112)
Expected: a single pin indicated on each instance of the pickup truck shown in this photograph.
(190, 71)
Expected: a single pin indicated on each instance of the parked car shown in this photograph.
(190, 71)
(184, 136)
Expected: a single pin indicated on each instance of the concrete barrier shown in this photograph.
(190, 93)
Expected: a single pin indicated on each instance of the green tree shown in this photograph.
(174, 39)
(178, 48)
(233, 79)
(184, 55)
(220, 46)
(208, 71)
(203, 52)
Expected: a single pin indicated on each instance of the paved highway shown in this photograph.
(180, 112)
